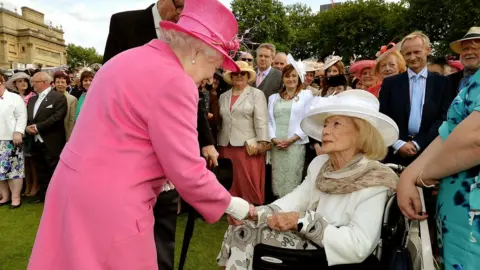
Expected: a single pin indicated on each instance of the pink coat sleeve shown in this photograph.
(172, 129)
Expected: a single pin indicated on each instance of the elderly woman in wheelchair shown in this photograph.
(337, 211)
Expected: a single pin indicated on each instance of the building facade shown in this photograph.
(326, 7)
(26, 40)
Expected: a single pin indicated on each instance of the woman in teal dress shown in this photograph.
(453, 162)
(86, 77)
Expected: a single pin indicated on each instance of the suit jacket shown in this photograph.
(135, 28)
(455, 79)
(247, 120)
(395, 102)
(271, 84)
(71, 113)
(50, 120)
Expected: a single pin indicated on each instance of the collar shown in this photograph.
(44, 93)
(468, 72)
(265, 73)
(423, 73)
(156, 16)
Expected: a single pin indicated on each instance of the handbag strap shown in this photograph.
(427, 255)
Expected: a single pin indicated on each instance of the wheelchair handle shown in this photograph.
(396, 167)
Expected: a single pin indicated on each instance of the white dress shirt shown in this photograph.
(13, 115)
(156, 19)
(41, 97)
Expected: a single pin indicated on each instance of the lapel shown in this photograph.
(45, 102)
(264, 81)
(404, 91)
(429, 91)
(241, 98)
(31, 106)
(150, 32)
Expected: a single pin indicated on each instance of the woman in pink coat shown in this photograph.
(137, 129)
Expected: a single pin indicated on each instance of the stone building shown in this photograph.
(26, 39)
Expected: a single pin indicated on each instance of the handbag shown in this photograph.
(267, 257)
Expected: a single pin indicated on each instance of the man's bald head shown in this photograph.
(280, 61)
(41, 81)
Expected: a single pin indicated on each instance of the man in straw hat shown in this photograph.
(132, 29)
(469, 50)
(98, 211)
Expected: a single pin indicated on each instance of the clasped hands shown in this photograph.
(408, 150)
(282, 144)
(281, 222)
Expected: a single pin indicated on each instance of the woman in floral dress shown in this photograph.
(13, 120)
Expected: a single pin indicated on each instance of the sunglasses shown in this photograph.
(247, 59)
(243, 73)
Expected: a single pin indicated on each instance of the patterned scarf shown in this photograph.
(358, 174)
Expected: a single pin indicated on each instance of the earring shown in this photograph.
(193, 61)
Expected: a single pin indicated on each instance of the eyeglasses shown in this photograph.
(178, 8)
(247, 59)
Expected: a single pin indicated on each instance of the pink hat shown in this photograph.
(455, 64)
(200, 19)
(359, 66)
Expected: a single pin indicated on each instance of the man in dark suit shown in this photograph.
(269, 79)
(469, 50)
(46, 114)
(132, 29)
(417, 100)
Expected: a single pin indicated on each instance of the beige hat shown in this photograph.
(244, 66)
(312, 65)
(331, 60)
(11, 82)
(473, 33)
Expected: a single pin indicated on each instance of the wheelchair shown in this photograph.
(393, 232)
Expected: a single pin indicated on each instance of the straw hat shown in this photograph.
(11, 82)
(244, 66)
(199, 19)
(353, 103)
(473, 33)
(331, 60)
(312, 65)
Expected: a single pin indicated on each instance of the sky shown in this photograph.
(86, 22)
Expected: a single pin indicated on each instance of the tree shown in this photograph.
(301, 21)
(357, 28)
(266, 20)
(443, 21)
(78, 56)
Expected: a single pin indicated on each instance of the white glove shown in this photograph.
(238, 208)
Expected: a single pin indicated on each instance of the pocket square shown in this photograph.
(50, 106)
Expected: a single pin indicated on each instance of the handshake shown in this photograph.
(238, 210)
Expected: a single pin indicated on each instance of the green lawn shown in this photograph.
(18, 228)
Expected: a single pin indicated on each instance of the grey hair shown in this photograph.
(184, 42)
(44, 76)
(267, 46)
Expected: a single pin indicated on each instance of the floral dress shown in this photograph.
(458, 203)
(287, 165)
(11, 161)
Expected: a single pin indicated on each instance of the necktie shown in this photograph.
(416, 106)
(259, 79)
(464, 82)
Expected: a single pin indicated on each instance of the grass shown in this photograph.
(19, 227)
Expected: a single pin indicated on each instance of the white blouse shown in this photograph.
(296, 116)
(13, 115)
(355, 219)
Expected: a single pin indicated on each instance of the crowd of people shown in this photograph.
(307, 140)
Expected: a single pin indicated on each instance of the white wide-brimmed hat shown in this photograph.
(353, 103)
(11, 82)
(473, 33)
(331, 60)
(298, 66)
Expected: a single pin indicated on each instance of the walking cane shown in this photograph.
(224, 174)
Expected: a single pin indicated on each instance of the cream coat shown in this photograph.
(296, 116)
(70, 118)
(354, 219)
(247, 120)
